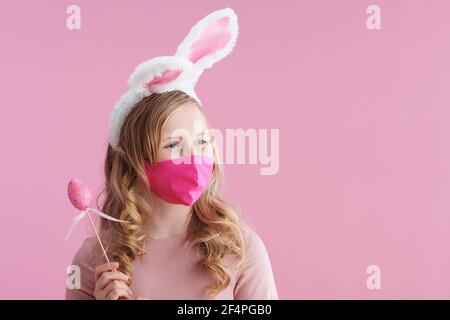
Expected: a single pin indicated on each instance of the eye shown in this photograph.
(173, 145)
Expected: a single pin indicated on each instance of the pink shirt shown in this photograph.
(172, 271)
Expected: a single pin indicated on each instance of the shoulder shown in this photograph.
(254, 246)
(86, 250)
(91, 252)
(255, 279)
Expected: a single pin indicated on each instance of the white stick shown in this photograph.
(96, 233)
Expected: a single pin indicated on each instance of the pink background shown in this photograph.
(364, 127)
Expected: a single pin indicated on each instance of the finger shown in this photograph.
(111, 266)
(117, 284)
(115, 294)
(107, 277)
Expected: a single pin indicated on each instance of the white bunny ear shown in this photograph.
(160, 74)
(210, 40)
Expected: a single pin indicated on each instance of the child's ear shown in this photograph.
(210, 40)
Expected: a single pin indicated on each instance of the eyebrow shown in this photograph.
(173, 138)
(181, 138)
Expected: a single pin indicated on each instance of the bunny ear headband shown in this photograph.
(209, 41)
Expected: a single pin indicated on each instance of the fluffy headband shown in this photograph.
(210, 40)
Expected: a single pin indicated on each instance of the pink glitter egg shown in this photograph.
(79, 194)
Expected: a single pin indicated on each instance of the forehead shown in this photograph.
(187, 117)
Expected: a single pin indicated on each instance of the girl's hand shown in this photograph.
(110, 284)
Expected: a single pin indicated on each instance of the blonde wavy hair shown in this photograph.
(213, 227)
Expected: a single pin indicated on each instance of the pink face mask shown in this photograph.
(182, 180)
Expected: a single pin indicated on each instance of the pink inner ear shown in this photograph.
(213, 38)
(165, 77)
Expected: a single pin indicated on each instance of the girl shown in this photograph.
(182, 241)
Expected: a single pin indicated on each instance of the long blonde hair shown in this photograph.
(214, 226)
